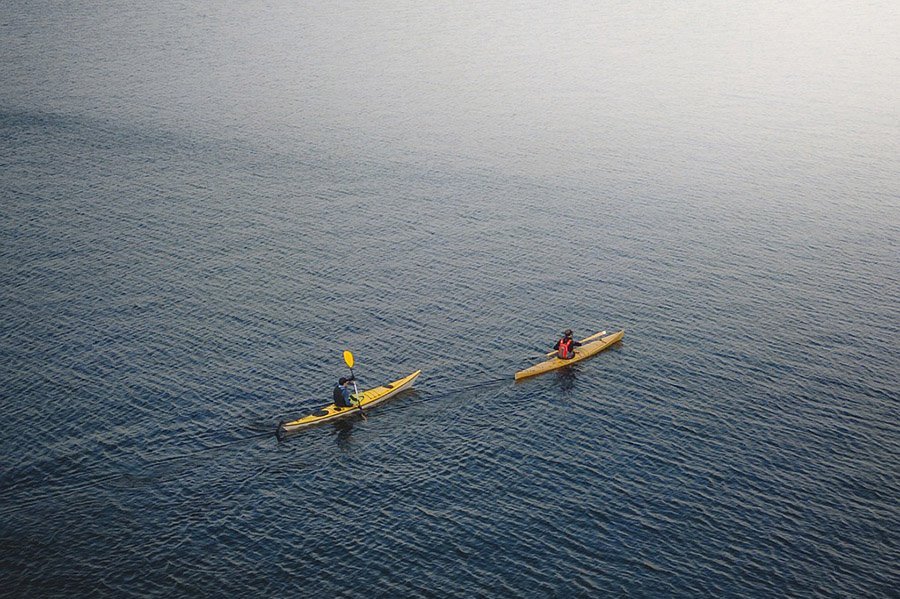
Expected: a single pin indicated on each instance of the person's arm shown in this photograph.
(575, 343)
(557, 344)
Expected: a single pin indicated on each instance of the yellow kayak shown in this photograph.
(370, 398)
(582, 352)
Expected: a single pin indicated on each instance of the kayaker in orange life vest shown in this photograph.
(565, 347)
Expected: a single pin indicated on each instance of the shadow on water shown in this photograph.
(567, 377)
(343, 433)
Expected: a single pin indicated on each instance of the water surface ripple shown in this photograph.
(203, 206)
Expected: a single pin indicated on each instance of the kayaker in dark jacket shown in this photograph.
(565, 347)
(342, 392)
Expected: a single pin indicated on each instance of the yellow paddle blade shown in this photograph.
(348, 358)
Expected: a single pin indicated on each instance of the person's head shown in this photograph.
(342, 381)
(568, 332)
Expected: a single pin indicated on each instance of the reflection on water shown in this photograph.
(566, 377)
(343, 432)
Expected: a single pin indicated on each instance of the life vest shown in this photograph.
(565, 348)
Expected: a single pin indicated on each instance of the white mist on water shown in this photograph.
(536, 87)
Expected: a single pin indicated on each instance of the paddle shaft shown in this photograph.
(583, 341)
(356, 393)
(349, 361)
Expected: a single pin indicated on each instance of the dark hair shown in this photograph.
(342, 381)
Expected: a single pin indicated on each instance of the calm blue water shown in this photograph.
(202, 207)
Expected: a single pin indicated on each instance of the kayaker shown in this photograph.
(565, 347)
(342, 392)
